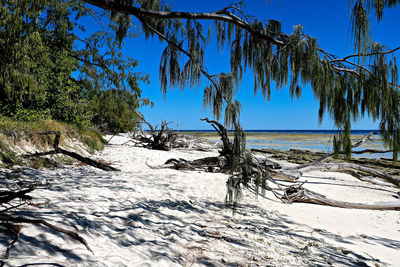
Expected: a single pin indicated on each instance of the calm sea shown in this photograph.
(356, 132)
(313, 140)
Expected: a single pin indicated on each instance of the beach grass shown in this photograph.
(13, 133)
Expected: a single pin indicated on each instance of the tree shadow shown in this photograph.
(180, 229)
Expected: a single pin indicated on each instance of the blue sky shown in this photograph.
(325, 20)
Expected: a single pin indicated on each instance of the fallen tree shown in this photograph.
(262, 175)
(306, 196)
(59, 150)
(159, 139)
(166, 138)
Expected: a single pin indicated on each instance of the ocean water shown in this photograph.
(312, 140)
(355, 132)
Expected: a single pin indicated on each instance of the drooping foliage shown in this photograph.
(365, 83)
(33, 62)
(360, 20)
(52, 68)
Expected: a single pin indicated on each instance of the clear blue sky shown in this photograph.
(326, 20)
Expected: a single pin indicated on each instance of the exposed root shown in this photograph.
(262, 175)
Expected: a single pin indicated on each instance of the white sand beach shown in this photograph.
(163, 217)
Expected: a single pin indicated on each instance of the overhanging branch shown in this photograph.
(220, 15)
(226, 16)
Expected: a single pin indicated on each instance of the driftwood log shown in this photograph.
(306, 196)
(59, 150)
(262, 174)
(156, 139)
(340, 166)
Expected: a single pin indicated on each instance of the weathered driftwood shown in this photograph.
(263, 174)
(340, 166)
(319, 165)
(209, 164)
(156, 139)
(306, 196)
(72, 234)
(166, 139)
(171, 141)
(59, 150)
(329, 155)
(193, 143)
(372, 151)
(227, 147)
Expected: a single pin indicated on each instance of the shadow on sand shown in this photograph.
(181, 231)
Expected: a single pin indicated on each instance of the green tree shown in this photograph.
(365, 82)
(48, 71)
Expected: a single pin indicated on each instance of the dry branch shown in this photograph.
(13, 229)
(227, 148)
(325, 157)
(306, 196)
(58, 150)
(263, 174)
(219, 15)
(208, 164)
(340, 166)
(156, 139)
(7, 196)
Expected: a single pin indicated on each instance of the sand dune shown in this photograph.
(162, 217)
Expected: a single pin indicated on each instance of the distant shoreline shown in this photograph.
(310, 140)
(286, 131)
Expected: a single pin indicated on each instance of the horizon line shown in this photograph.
(249, 130)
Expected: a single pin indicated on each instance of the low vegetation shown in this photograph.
(14, 134)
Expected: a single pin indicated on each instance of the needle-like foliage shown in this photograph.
(365, 83)
(52, 68)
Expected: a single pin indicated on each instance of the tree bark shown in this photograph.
(306, 196)
(227, 149)
(58, 150)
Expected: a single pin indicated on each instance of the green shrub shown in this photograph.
(93, 139)
(115, 111)
(16, 131)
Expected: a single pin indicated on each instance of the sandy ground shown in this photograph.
(161, 217)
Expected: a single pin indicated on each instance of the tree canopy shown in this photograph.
(363, 83)
(48, 67)
(48, 71)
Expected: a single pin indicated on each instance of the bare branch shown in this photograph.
(57, 150)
